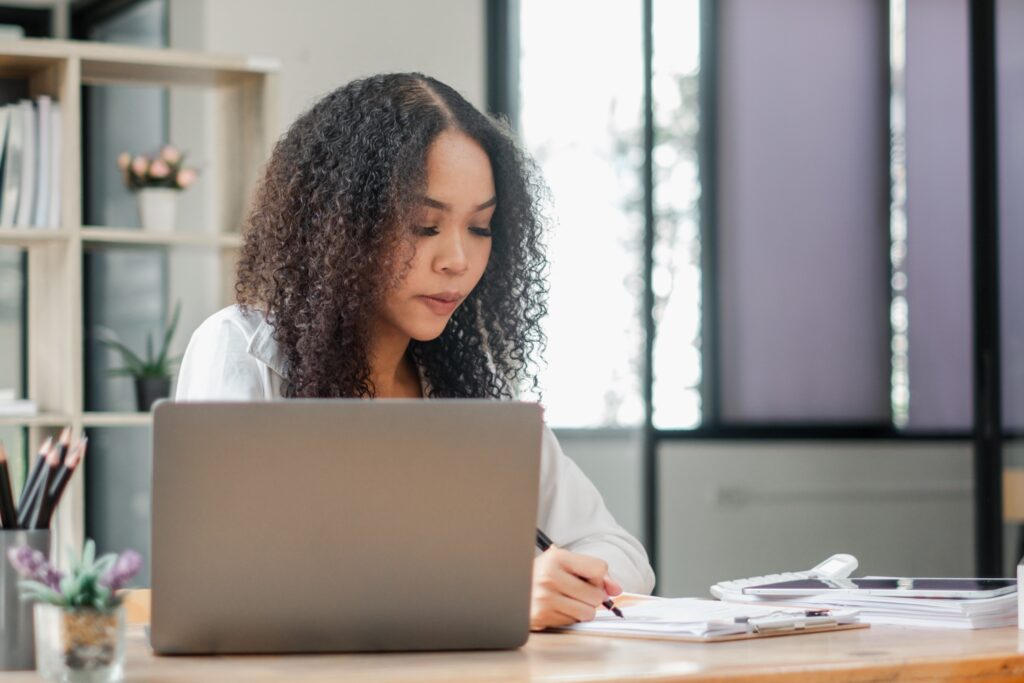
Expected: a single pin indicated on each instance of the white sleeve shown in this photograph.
(218, 367)
(572, 513)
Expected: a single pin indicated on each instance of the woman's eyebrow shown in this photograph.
(436, 204)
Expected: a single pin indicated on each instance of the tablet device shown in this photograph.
(892, 587)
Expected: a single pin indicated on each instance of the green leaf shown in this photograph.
(133, 363)
(74, 560)
(169, 334)
(149, 349)
(34, 590)
(89, 554)
(104, 564)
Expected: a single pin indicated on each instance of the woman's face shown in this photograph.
(451, 238)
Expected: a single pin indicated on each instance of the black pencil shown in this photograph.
(8, 515)
(41, 503)
(543, 542)
(27, 512)
(63, 476)
(29, 501)
(33, 477)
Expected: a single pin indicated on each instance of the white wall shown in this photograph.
(323, 44)
(736, 509)
(611, 458)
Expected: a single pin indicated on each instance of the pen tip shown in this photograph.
(617, 612)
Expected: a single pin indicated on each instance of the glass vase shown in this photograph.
(79, 645)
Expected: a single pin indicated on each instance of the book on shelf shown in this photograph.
(30, 154)
(16, 407)
(53, 209)
(5, 117)
(12, 167)
(41, 200)
(27, 191)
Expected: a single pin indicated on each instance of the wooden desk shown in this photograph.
(875, 654)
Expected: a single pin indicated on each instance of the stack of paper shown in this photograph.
(965, 613)
(694, 618)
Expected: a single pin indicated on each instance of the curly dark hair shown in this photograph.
(324, 235)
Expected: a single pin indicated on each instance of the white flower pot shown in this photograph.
(157, 206)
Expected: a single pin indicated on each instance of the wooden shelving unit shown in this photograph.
(246, 93)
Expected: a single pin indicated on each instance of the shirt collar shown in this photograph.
(263, 347)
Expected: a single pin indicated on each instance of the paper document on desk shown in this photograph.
(695, 618)
(963, 613)
(959, 613)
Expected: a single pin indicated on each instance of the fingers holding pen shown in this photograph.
(567, 588)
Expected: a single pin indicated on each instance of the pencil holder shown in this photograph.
(17, 650)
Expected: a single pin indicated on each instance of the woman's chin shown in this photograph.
(426, 333)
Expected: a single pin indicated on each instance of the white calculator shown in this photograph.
(836, 567)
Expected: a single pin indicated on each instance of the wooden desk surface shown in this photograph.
(876, 654)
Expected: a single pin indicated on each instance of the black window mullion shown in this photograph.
(502, 31)
(650, 455)
(988, 455)
(707, 165)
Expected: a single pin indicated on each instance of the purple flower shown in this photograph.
(125, 567)
(33, 565)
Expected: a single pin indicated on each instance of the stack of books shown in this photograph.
(16, 407)
(30, 152)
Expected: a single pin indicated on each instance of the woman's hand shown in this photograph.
(568, 588)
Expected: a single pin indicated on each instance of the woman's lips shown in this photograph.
(440, 306)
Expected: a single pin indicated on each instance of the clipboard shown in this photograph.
(756, 621)
(750, 635)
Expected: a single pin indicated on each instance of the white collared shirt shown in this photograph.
(233, 356)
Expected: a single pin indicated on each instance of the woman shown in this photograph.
(394, 250)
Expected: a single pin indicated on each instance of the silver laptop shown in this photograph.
(343, 525)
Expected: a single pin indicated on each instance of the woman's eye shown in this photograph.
(426, 231)
(483, 232)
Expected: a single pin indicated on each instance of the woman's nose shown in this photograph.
(451, 256)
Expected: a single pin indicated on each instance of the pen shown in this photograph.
(543, 542)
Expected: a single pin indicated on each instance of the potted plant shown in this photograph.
(156, 182)
(152, 374)
(79, 617)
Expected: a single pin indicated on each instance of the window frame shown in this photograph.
(502, 55)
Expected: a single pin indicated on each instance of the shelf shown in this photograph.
(100, 419)
(35, 237)
(137, 236)
(31, 237)
(41, 420)
(239, 128)
(107, 63)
